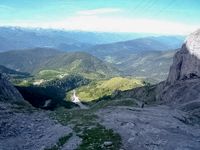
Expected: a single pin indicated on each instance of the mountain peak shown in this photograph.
(193, 43)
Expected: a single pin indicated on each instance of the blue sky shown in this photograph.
(150, 16)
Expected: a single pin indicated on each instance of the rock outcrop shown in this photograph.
(186, 63)
(8, 93)
(183, 83)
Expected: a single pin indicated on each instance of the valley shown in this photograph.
(130, 97)
(94, 73)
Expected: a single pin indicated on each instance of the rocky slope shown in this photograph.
(8, 93)
(24, 128)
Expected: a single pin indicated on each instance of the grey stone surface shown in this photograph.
(151, 128)
(24, 130)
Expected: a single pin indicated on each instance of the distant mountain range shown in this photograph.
(12, 38)
(22, 38)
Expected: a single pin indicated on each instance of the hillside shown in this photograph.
(152, 55)
(12, 73)
(52, 92)
(36, 60)
(153, 64)
(79, 62)
(102, 88)
(26, 60)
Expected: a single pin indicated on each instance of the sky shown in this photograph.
(141, 16)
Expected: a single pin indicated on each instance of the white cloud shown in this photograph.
(117, 24)
(99, 11)
(114, 24)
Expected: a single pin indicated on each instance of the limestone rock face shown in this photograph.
(186, 63)
(8, 93)
(182, 88)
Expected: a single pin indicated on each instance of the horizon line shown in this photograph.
(79, 30)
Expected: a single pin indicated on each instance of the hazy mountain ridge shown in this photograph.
(24, 38)
(162, 43)
(12, 38)
(36, 60)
